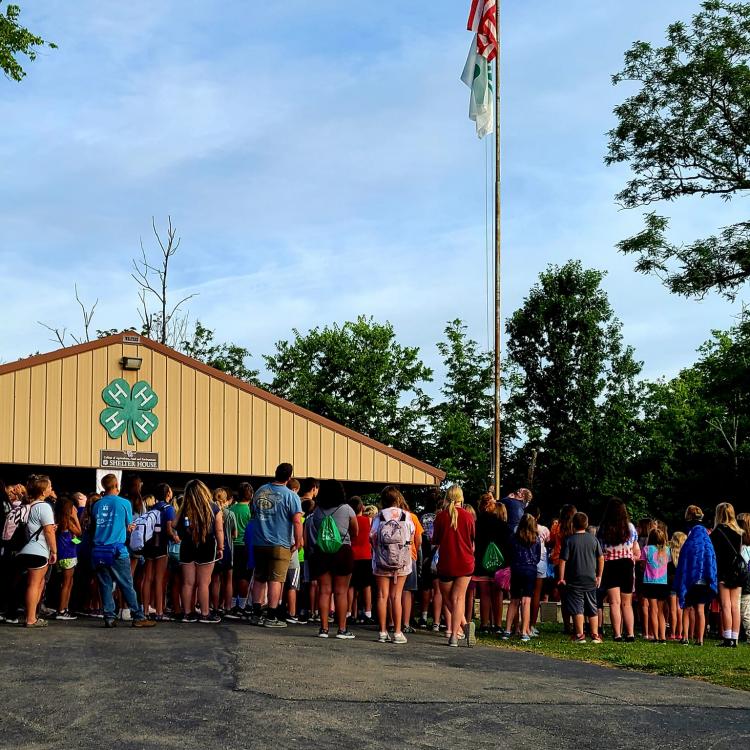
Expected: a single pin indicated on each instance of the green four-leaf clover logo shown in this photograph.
(129, 409)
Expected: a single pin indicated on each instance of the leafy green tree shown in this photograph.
(576, 392)
(686, 132)
(461, 424)
(15, 40)
(356, 374)
(226, 357)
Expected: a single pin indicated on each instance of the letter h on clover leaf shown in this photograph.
(129, 409)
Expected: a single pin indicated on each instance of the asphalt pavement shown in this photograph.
(77, 685)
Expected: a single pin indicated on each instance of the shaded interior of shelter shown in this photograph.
(66, 479)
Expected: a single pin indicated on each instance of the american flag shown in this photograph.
(483, 20)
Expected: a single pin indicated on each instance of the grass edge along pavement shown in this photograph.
(719, 666)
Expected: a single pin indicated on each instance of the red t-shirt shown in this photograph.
(361, 547)
(456, 545)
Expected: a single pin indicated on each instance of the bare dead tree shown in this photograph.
(164, 324)
(86, 313)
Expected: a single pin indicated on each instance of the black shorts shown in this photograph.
(339, 563)
(200, 554)
(580, 602)
(699, 594)
(659, 591)
(427, 578)
(154, 553)
(240, 563)
(30, 562)
(522, 583)
(362, 575)
(618, 574)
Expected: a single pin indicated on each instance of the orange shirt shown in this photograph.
(416, 540)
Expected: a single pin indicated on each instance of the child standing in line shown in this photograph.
(656, 556)
(743, 520)
(675, 612)
(581, 568)
(526, 553)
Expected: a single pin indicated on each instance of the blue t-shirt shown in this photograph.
(112, 515)
(515, 509)
(274, 507)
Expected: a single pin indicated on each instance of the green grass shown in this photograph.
(729, 667)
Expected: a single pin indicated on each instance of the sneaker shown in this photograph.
(384, 638)
(322, 633)
(453, 641)
(315, 617)
(144, 623)
(272, 622)
(178, 617)
(505, 635)
(46, 611)
(110, 623)
(345, 635)
(292, 620)
(409, 629)
(211, 619)
(39, 623)
(436, 628)
(12, 620)
(190, 618)
(470, 634)
(579, 638)
(97, 614)
(65, 615)
(422, 624)
(629, 639)
(253, 619)
(525, 638)
(534, 633)
(234, 614)
(125, 615)
(399, 638)
(596, 639)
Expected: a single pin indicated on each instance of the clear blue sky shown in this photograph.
(320, 164)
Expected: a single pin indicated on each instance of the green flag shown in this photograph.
(477, 76)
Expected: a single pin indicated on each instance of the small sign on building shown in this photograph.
(135, 460)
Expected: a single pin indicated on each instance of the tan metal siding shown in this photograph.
(68, 409)
(300, 446)
(159, 384)
(353, 471)
(245, 436)
(7, 401)
(37, 408)
(313, 449)
(272, 438)
(367, 460)
(53, 413)
(216, 427)
(230, 434)
(21, 417)
(171, 426)
(326, 453)
(258, 455)
(187, 433)
(286, 437)
(202, 438)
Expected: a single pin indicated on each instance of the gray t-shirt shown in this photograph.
(340, 515)
(580, 552)
(40, 515)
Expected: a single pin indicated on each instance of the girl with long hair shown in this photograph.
(675, 612)
(390, 581)
(453, 534)
(743, 521)
(68, 531)
(561, 529)
(155, 552)
(655, 557)
(619, 540)
(526, 553)
(727, 541)
(490, 529)
(200, 526)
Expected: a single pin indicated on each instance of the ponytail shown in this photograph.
(455, 497)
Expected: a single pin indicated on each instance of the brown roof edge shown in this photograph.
(167, 351)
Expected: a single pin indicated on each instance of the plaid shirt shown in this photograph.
(622, 551)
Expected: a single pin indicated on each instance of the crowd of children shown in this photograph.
(296, 552)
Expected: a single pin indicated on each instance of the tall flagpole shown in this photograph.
(498, 236)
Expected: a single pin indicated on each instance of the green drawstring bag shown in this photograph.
(329, 538)
(493, 559)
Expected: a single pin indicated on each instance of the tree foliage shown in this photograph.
(356, 374)
(226, 357)
(461, 423)
(16, 40)
(576, 390)
(686, 132)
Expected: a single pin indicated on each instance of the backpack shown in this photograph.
(143, 532)
(392, 546)
(329, 536)
(493, 559)
(157, 538)
(15, 530)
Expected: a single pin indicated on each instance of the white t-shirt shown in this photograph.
(40, 515)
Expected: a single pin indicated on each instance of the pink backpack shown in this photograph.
(392, 548)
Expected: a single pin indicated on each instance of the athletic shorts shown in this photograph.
(200, 554)
(271, 563)
(658, 591)
(699, 594)
(618, 574)
(30, 562)
(67, 563)
(340, 563)
(293, 578)
(428, 577)
(362, 575)
(522, 583)
(240, 563)
(154, 553)
(412, 583)
(580, 602)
